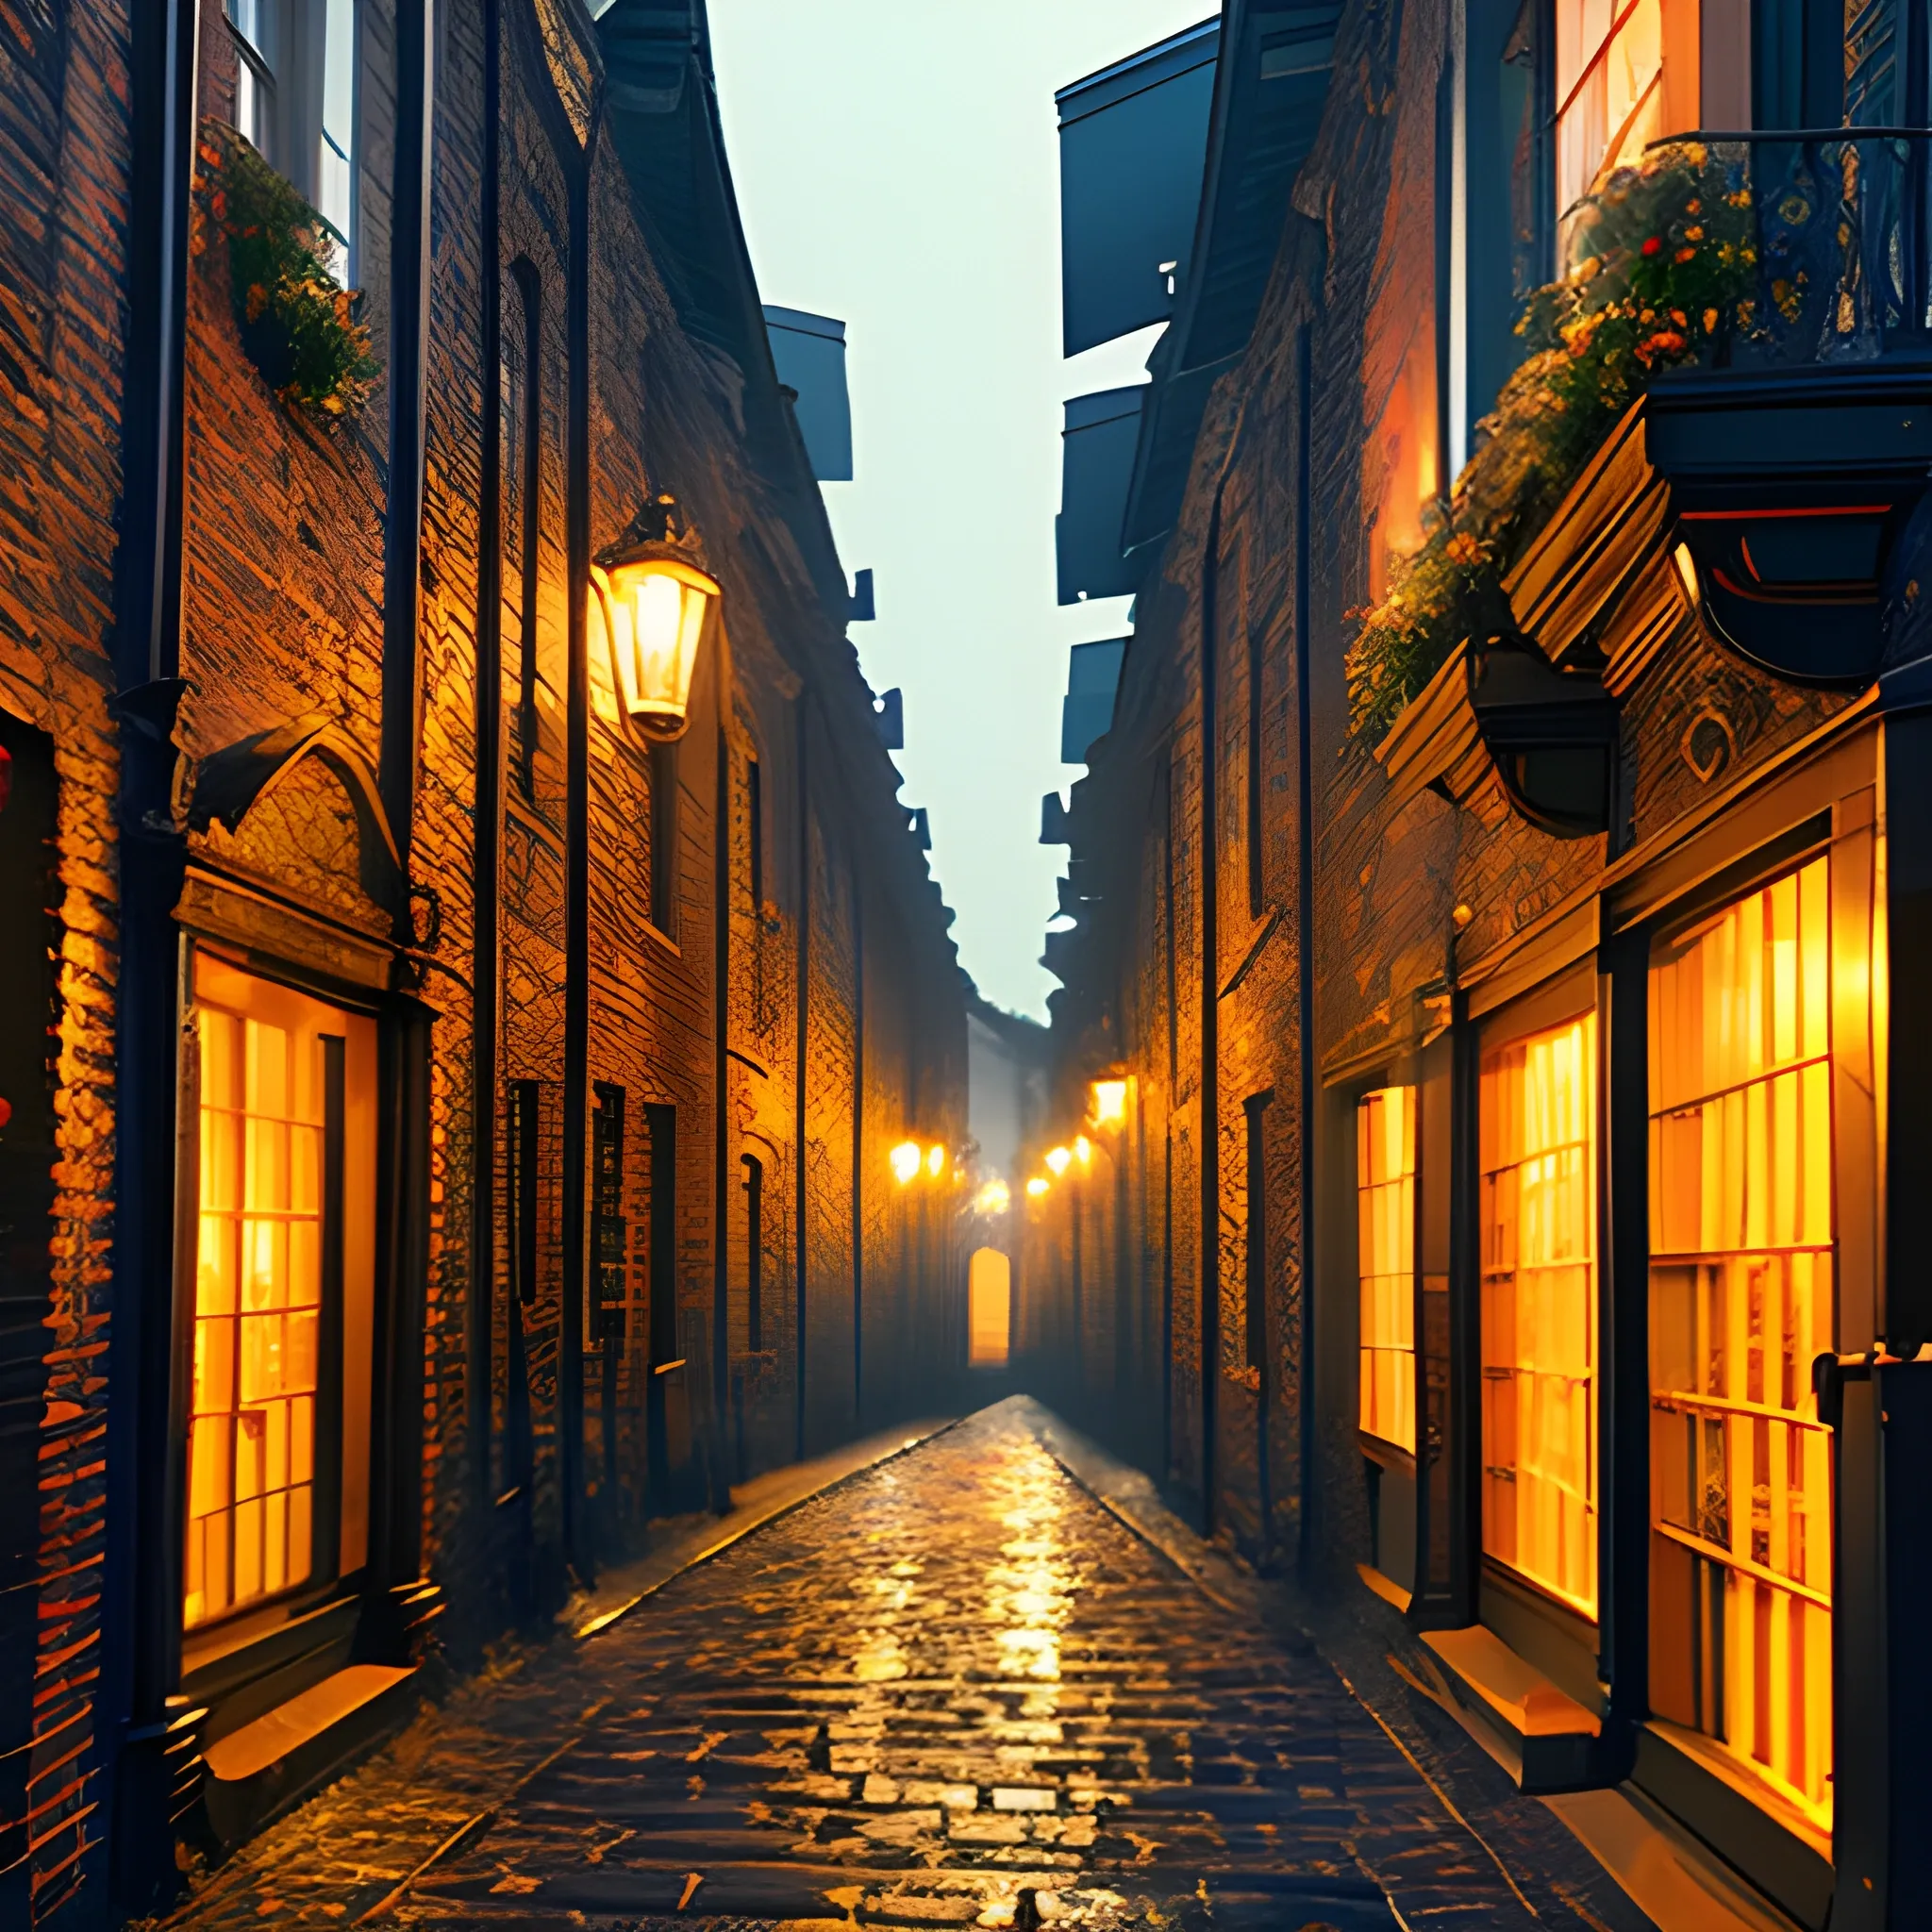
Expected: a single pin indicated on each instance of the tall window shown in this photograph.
(1538, 1308)
(1385, 1260)
(1256, 1341)
(754, 1249)
(295, 102)
(1626, 75)
(1740, 1301)
(610, 1233)
(285, 1203)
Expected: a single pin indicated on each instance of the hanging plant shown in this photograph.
(1663, 274)
(298, 322)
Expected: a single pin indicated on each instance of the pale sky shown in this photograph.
(896, 166)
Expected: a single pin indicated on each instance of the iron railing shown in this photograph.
(1839, 220)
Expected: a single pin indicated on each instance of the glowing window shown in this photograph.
(1385, 1260)
(1627, 73)
(283, 1080)
(1740, 1301)
(1538, 1309)
(990, 1294)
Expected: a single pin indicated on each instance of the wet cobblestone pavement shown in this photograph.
(955, 1691)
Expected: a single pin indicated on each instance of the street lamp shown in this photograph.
(1058, 1159)
(993, 1198)
(906, 1158)
(656, 604)
(935, 1161)
(1038, 1187)
(1110, 1102)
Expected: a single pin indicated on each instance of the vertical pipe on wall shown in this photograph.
(1305, 938)
(576, 909)
(488, 808)
(858, 1149)
(402, 535)
(141, 1608)
(1210, 1015)
(803, 1004)
(721, 1021)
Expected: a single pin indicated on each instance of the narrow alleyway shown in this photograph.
(955, 1689)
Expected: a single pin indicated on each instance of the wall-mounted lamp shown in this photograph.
(935, 1161)
(1058, 1159)
(906, 1158)
(1083, 1150)
(1038, 1187)
(1110, 1102)
(658, 602)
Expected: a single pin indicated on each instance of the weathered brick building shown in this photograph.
(1488, 900)
(448, 1107)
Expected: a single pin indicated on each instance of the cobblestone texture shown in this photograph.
(955, 1691)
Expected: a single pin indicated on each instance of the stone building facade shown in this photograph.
(447, 1125)
(1509, 1226)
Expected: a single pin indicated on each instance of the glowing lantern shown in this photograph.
(1083, 1149)
(1110, 1102)
(1057, 1160)
(935, 1161)
(907, 1157)
(658, 602)
(1037, 1186)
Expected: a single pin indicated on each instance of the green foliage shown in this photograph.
(298, 322)
(1664, 260)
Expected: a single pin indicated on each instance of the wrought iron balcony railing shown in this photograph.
(1839, 224)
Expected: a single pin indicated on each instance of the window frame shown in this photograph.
(331, 1396)
(1569, 995)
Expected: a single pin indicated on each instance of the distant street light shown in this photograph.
(656, 603)
(1058, 1159)
(1038, 1187)
(1110, 1102)
(935, 1161)
(993, 1198)
(906, 1158)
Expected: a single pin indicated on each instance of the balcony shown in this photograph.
(1796, 450)
(1726, 406)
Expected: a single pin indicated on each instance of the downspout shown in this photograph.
(576, 909)
(403, 1183)
(803, 1002)
(721, 1248)
(140, 1655)
(858, 1150)
(1304, 920)
(489, 811)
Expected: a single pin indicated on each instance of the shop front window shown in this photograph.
(1385, 1251)
(1740, 1301)
(279, 1077)
(1538, 1309)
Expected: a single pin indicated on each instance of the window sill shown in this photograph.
(1549, 1740)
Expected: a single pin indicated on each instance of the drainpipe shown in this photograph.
(139, 1656)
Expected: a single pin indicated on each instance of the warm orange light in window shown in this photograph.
(1385, 1260)
(905, 1158)
(989, 1306)
(1058, 1160)
(1538, 1308)
(1626, 75)
(1110, 1102)
(1740, 1301)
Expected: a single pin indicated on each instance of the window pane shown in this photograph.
(1741, 1290)
(1538, 1308)
(1385, 1231)
(258, 1297)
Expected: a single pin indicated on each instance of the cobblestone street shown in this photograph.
(953, 1689)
